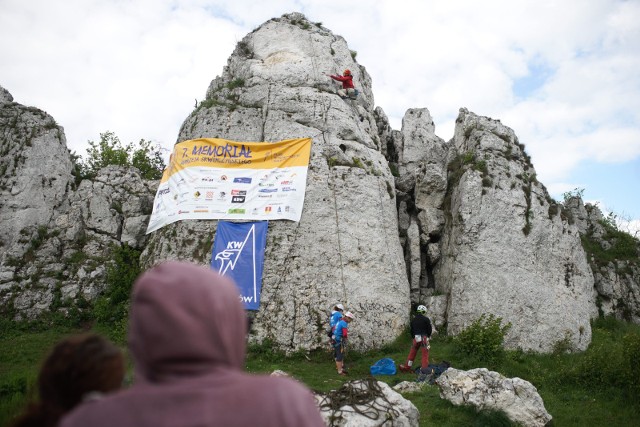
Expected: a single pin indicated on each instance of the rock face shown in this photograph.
(391, 218)
(505, 250)
(345, 247)
(614, 258)
(56, 239)
(35, 168)
(485, 389)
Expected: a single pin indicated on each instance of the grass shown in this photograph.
(580, 389)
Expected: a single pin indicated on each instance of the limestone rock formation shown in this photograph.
(504, 248)
(35, 168)
(485, 389)
(614, 258)
(392, 218)
(56, 239)
(345, 247)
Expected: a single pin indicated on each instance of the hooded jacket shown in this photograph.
(187, 332)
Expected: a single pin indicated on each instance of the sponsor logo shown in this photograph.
(279, 210)
(223, 178)
(277, 157)
(267, 209)
(238, 192)
(268, 190)
(285, 189)
(208, 179)
(266, 184)
(286, 182)
(183, 212)
(242, 180)
(163, 192)
(208, 195)
(222, 195)
(201, 210)
(236, 211)
(255, 211)
(197, 195)
(238, 199)
(265, 196)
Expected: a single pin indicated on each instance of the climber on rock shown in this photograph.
(348, 90)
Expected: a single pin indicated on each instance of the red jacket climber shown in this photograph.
(347, 91)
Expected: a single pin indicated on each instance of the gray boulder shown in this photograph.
(488, 390)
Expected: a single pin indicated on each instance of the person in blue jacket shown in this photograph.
(336, 315)
(341, 334)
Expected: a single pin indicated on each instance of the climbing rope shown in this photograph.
(382, 221)
(364, 397)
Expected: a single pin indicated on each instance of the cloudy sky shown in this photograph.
(565, 74)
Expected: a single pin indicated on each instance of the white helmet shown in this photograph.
(349, 315)
(421, 309)
(340, 307)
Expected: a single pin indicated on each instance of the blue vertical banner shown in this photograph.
(238, 253)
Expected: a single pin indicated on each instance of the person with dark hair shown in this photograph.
(78, 368)
(187, 337)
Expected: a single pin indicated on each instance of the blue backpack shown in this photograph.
(384, 366)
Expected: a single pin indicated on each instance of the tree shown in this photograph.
(109, 151)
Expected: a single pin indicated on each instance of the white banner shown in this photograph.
(220, 179)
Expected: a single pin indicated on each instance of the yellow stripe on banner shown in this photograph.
(222, 153)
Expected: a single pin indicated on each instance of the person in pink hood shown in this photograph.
(187, 337)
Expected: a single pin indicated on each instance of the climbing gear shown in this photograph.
(422, 309)
(347, 72)
(364, 397)
(340, 306)
(349, 315)
(384, 366)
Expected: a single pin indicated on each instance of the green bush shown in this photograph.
(483, 339)
(113, 305)
(611, 359)
(110, 151)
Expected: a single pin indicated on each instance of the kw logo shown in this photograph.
(228, 259)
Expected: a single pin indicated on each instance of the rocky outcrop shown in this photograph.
(488, 390)
(56, 238)
(505, 249)
(35, 169)
(392, 218)
(614, 257)
(345, 247)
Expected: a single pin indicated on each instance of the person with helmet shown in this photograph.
(336, 315)
(421, 333)
(341, 333)
(348, 90)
